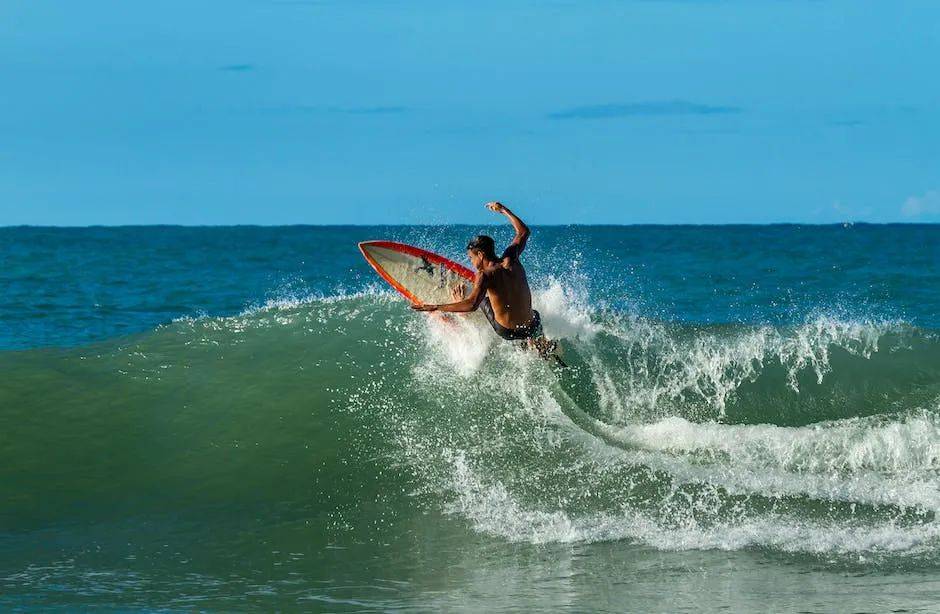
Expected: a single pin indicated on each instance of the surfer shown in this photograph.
(500, 288)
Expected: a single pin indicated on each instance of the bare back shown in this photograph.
(508, 290)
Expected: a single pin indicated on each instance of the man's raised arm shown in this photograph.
(522, 231)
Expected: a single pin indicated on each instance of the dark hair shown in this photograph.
(484, 244)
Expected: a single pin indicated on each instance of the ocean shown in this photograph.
(247, 419)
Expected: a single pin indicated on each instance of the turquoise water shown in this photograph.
(243, 418)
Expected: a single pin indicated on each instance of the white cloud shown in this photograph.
(925, 204)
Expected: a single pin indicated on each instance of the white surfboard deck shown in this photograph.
(420, 276)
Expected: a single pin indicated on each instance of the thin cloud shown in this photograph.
(318, 109)
(635, 109)
(924, 204)
(847, 123)
(237, 67)
(370, 110)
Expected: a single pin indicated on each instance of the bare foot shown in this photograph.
(458, 292)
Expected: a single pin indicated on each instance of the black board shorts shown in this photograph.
(532, 330)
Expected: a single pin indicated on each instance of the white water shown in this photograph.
(860, 486)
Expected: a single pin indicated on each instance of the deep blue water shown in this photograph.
(65, 286)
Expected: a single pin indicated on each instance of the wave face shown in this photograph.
(309, 433)
(801, 439)
(821, 437)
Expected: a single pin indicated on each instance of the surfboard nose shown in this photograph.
(417, 274)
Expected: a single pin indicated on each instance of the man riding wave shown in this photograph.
(500, 288)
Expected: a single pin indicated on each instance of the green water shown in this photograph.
(341, 453)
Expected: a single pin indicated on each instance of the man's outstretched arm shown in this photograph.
(522, 231)
(470, 303)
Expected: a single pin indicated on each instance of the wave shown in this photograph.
(892, 444)
(818, 438)
(493, 509)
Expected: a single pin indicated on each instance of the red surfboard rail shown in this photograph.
(411, 250)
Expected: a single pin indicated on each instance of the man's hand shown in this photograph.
(496, 207)
(424, 307)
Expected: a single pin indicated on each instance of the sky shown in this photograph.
(397, 112)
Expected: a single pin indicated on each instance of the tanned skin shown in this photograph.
(503, 280)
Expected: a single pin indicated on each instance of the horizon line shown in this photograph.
(444, 225)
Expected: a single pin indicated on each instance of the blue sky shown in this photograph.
(322, 111)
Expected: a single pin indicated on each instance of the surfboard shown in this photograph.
(421, 276)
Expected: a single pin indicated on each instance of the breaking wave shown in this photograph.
(821, 438)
